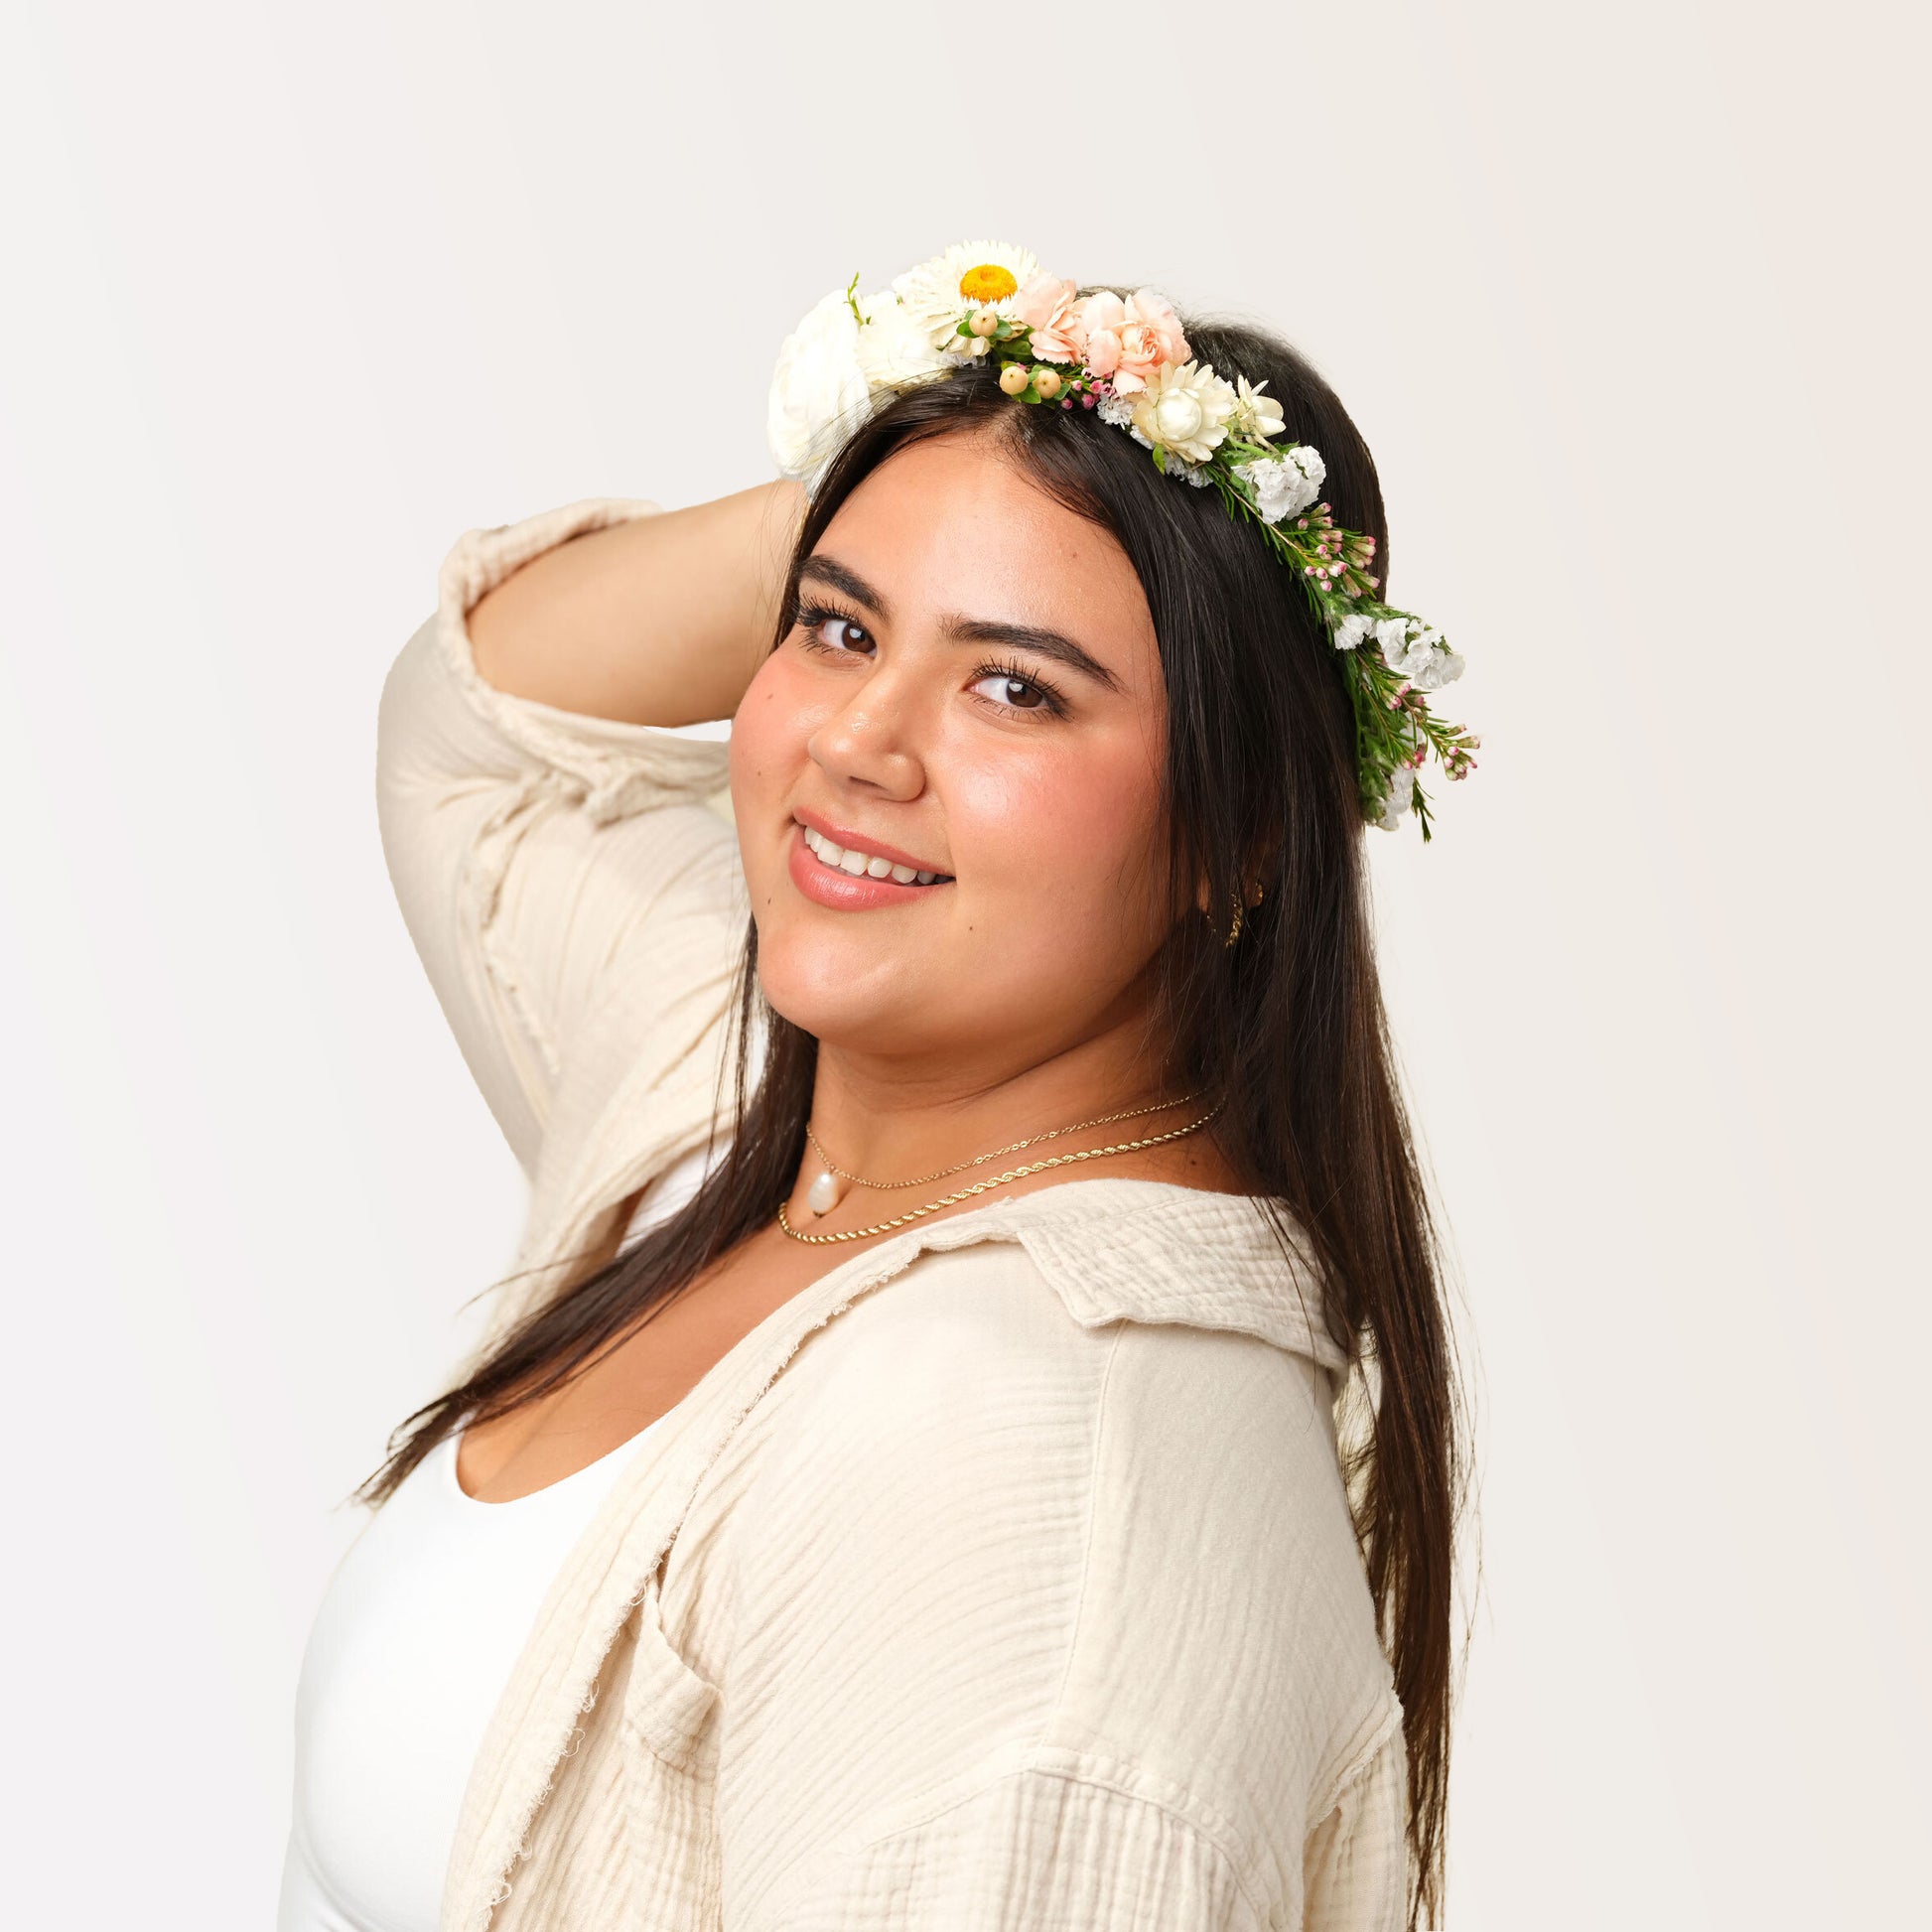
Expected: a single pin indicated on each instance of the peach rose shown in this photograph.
(1051, 308)
(1127, 340)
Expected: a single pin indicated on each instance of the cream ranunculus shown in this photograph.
(1186, 408)
(894, 351)
(820, 390)
(969, 275)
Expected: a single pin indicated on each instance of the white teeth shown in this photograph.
(864, 864)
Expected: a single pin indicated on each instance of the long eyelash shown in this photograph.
(808, 615)
(1056, 699)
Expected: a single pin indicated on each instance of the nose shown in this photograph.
(868, 742)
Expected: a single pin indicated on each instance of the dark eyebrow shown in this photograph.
(828, 570)
(1032, 636)
(1054, 644)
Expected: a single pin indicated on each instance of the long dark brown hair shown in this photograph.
(1288, 1025)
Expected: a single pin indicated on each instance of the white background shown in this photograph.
(1628, 305)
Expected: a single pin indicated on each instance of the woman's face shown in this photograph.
(972, 690)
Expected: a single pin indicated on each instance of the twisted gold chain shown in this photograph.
(998, 1181)
(980, 1160)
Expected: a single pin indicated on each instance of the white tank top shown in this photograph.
(413, 1643)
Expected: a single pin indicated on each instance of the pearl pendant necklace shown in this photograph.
(825, 1193)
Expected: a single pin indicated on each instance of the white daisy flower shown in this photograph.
(969, 275)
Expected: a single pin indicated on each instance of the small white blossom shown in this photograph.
(1116, 410)
(1352, 629)
(1412, 650)
(1285, 486)
(1402, 795)
(1442, 666)
(1392, 640)
(1256, 415)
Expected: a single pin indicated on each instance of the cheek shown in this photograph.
(769, 733)
(1066, 846)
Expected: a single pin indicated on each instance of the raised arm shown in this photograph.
(557, 850)
(659, 620)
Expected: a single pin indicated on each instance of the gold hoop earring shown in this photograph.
(1240, 914)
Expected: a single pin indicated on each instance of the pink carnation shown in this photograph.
(1129, 341)
(1051, 308)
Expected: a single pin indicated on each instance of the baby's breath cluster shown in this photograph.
(1126, 357)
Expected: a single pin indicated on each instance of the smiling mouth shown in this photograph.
(858, 864)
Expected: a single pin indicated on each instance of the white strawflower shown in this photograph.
(1255, 414)
(969, 275)
(1184, 407)
(820, 390)
(894, 351)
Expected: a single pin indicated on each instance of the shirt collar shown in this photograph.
(1152, 1251)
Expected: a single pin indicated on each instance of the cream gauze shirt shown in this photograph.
(1002, 1578)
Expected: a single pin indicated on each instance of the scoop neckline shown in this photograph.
(453, 1483)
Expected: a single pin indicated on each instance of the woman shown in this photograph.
(904, 1487)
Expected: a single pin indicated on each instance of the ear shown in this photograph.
(1254, 878)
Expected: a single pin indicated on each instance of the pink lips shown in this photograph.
(845, 892)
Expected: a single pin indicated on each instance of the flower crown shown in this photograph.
(1127, 359)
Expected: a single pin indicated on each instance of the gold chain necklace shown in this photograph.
(1000, 1180)
(980, 1160)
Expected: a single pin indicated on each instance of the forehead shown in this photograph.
(953, 525)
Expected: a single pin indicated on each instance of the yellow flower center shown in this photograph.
(988, 282)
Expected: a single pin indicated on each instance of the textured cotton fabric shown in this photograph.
(1001, 1579)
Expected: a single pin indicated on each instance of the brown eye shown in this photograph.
(838, 634)
(1019, 692)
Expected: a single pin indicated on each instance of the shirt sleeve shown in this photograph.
(576, 903)
(1356, 1862)
(1034, 1849)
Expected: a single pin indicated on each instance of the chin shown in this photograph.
(843, 993)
